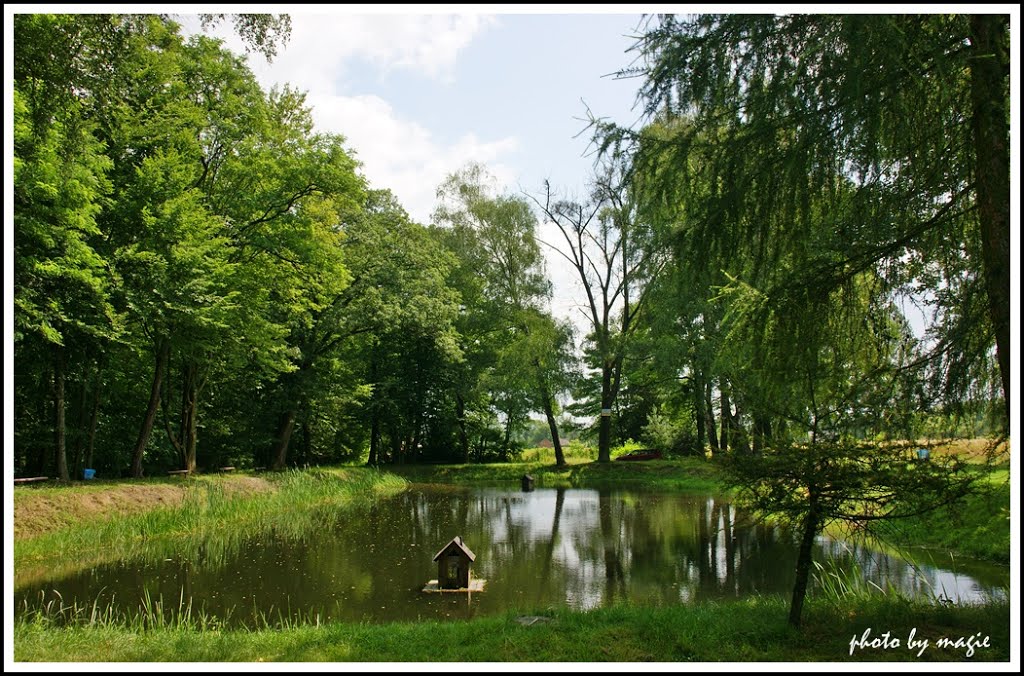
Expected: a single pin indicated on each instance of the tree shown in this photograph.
(892, 129)
(410, 349)
(539, 360)
(504, 290)
(607, 246)
(860, 484)
(812, 361)
(61, 285)
(260, 32)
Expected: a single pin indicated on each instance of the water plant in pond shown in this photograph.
(842, 583)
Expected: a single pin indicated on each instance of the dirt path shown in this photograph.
(40, 509)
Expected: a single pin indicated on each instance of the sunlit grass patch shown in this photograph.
(751, 630)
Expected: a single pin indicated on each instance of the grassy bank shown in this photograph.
(197, 512)
(685, 474)
(978, 527)
(753, 630)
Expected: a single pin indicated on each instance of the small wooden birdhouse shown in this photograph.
(453, 563)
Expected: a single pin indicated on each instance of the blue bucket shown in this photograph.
(88, 473)
(922, 454)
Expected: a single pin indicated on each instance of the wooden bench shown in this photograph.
(31, 479)
(181, 472)
(227, 469)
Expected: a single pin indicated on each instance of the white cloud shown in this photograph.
(401, 154)
(324, 47)
(396, 153)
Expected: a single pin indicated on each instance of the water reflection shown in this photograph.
(577, 548)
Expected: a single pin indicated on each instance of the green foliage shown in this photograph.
(260, 32)
(798, 153)
(860, 484)
(672, 435)
(855, 482)
(979, 526)
(518, 358)
(61, 282)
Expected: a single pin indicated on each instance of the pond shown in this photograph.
(575, 548)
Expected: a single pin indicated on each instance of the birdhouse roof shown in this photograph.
(457, 542)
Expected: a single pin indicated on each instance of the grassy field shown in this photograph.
(752, 630)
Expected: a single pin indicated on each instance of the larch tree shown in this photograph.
(891, 129)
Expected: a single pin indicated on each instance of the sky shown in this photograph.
(419, 94)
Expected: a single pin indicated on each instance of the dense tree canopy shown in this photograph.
(202, 278)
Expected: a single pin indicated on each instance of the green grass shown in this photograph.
(209, 518)
(752, 630)
(685, 474)
(978, 527)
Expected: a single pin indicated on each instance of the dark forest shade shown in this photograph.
(453, 564)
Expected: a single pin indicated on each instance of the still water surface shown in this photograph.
(548, 548)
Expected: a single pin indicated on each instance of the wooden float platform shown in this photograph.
(475, 585)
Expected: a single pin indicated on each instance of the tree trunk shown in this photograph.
(60, 454)
(414, 445)
(284, 435)
(80, 429)
(190, 414)
(698, 414)
(373, 460)
(307, 439)
(460, 416)
(762, 432)
(989, 71)
(93, 420)
(709, 411)
(396, 446)
(38, 463)
(604, 437)
(726, 416)
(549, 413)
(163, 351)
(508, 432)
(738, 437)
(803, 564)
